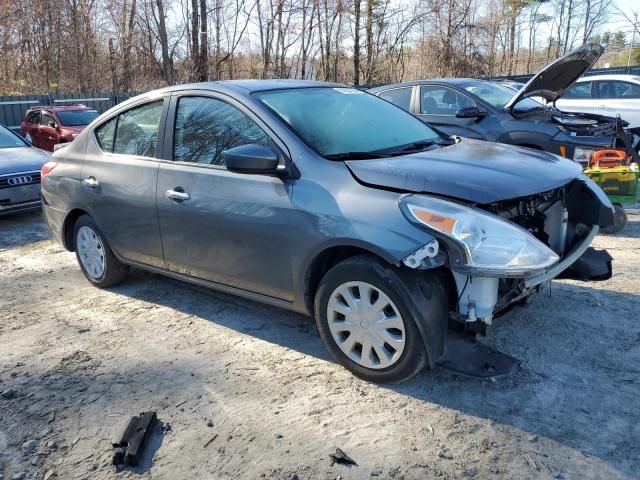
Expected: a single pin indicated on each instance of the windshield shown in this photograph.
(9, 139)
(499, 95)
(76, 118)
(339, 121)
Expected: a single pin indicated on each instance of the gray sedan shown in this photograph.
(328, 201)
(20, 165)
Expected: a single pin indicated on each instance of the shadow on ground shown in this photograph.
(540, 399)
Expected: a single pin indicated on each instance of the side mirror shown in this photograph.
(251, 158)
(51, 124)
(470, 112)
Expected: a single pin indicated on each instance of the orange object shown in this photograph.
(608, 159)
(563, 150)
(444, 224)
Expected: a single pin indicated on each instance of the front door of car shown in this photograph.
(438, 105)
(119, 176)
(229, 228)
(47, 131)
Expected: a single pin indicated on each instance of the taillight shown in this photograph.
(47, 167)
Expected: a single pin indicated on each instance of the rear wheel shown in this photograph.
(365, 322)
(96, 259)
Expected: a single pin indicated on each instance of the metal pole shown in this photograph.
(633, 39)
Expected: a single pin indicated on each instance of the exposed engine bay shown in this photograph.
(565, 219)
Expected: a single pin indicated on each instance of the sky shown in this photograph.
(616, 19)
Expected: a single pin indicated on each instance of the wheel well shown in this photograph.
(67, 229)
(322, 264)
(529, 145)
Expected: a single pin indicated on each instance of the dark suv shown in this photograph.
(47, 126)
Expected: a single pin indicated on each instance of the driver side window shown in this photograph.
(206, 127)
(436, 100)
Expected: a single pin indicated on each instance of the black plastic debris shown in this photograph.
(341, 458)
(128, 451)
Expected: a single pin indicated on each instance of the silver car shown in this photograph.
(20, 165)
(605, 95)
(329, 201)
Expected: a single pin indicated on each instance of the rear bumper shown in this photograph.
(20, 207)
(55, 221)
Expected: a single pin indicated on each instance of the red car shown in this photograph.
(46, 126)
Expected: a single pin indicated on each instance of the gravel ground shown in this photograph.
(248, 391)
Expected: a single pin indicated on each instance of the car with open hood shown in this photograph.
(20, 165)
(489, 111)
(328, 201)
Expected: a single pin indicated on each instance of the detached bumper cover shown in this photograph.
(574, 254)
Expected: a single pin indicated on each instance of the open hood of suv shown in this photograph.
(552, 81)
(470, 170)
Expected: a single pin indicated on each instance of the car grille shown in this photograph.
(19, 179)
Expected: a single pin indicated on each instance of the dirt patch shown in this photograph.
(249, 391)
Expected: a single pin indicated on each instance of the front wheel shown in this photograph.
(364, 319)
(96, 259)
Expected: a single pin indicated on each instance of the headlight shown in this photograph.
(482, 243)
(583, 155)
(74, 135)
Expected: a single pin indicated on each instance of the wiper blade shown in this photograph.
(422, 144)
(356, 155)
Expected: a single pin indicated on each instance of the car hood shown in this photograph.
(470, 170)
(552, 81)
(74, 128)
(22, 159)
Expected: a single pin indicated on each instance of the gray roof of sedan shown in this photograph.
(253, 85)
(452, 81)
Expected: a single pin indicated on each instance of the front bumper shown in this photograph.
(20, 207)
(479, 298)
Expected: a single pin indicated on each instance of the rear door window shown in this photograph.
(400, 97)
(206, 127)
(618, 90)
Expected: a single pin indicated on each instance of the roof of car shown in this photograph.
(450, 81)
(633, 78)
(59, 108)
(252, 85)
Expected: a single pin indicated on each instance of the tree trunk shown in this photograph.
(167, 64)
(356, 43)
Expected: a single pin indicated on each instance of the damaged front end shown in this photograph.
(543, 236)
(499, 259)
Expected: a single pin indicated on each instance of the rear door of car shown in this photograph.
(579, 98)
(400, 97)
(619, 97)
(217, 225)
(437, 105)
(119, 178)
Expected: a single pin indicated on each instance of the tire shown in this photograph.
(394, 365)
(95, 257)
(619, 220)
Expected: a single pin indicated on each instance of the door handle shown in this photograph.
(91, 182)
(177, 195)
